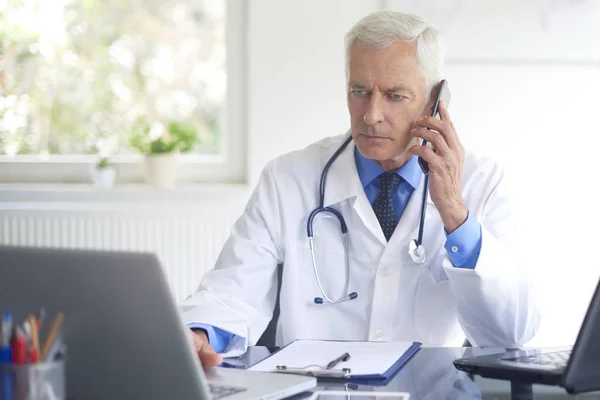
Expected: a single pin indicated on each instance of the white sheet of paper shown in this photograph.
(358, 395)
(366, 358)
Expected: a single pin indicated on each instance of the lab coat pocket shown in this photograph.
(325, 266)
(323, 320)
(435, 308)
(436, 270)
(322, 271)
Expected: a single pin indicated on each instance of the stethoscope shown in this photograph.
(416, 251)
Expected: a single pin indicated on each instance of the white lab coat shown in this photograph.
(434, 303)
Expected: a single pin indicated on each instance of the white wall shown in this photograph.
(536, 118)
(536, 121)
(296, 73)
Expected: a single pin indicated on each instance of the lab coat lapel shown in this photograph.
(343, 183)
(365, 212)
(342, 180)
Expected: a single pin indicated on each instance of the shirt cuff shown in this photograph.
(464, 244)
(218, 338)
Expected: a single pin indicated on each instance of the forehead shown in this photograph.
(388, 67)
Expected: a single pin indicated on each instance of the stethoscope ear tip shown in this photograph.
(353, 295)
(318, 300)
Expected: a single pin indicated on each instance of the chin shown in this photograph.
(373, 151)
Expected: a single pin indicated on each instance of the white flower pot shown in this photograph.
(161, 170)
(104, 178)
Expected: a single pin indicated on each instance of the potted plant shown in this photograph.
(161, 149)
(104, 173)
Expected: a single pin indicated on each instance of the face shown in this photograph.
(386, 96)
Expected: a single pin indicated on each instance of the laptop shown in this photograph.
(124, 335)
(576, 368)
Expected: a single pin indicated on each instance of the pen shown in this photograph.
(6, 329)
(32, 355)
(342, 358)
(41, 315)
(19, 358)
(19, 347)
(56, 324)
(35, 341)
(31, 336)
(5, 350)
(6, 356)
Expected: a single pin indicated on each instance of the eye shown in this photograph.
(359, 92)
(396, 97)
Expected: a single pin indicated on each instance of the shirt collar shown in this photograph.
(369, 170)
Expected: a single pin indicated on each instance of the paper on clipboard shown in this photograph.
(367, 359)
(357, 395)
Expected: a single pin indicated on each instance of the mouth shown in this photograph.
(373, 137)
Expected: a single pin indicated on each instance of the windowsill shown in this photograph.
(122, 193)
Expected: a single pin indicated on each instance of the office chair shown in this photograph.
(269, 335)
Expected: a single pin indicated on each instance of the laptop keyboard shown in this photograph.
(556, 359)
(220, 391)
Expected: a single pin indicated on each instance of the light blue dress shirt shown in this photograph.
(218, 338)
(463, 245)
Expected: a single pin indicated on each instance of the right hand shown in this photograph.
(208, 356)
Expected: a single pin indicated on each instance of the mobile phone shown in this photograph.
(443, 94)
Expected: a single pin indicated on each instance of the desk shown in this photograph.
(430, 375)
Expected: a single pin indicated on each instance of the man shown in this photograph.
(470, 285)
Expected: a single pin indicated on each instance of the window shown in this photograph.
(78, 76)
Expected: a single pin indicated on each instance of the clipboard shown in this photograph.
(317, 373)
(367, 361)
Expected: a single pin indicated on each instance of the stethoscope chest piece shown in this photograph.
(417, 252)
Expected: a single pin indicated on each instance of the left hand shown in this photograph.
(445, 166)
(208, 356)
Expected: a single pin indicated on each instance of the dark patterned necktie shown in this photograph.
(383, 206)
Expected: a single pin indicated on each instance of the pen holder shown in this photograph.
(41, 381)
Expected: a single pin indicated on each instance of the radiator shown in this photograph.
(186, 239)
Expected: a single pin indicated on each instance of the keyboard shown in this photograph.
(556, 359)
(221, 391)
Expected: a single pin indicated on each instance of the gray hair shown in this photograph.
(384, 28)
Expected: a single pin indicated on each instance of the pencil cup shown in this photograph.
(41, 381)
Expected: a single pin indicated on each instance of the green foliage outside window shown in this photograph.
(81, 74)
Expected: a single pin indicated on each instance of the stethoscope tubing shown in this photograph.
(417, 258)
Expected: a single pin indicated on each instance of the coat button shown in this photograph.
(383, 272)
(379, 334)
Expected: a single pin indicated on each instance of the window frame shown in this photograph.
(228, 167)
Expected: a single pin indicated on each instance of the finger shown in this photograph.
(208, 356)
(200, 335)
(444, 115)
(199, 339)
(425, 153)
(446, 129)
(433, 137)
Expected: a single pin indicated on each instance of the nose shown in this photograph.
(374, 113)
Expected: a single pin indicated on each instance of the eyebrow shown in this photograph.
(401, 88)
(397, 88)
(357, 86)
